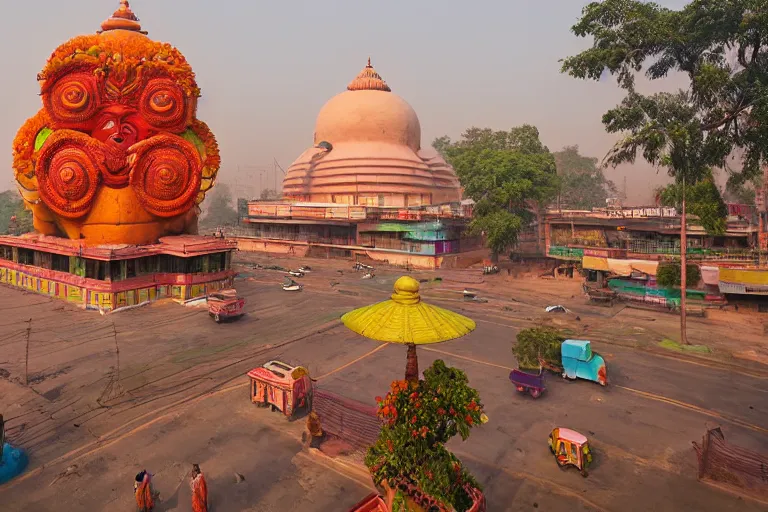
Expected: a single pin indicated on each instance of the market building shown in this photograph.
(627, 245)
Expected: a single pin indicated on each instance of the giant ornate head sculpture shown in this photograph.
(116, 154)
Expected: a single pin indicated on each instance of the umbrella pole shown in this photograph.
(412, 364)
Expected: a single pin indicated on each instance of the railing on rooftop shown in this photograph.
(693, 253)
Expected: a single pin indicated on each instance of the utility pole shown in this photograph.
(26, 359)
(683, 272)
(624, 193)
(117, 352)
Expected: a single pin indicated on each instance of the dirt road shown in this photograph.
(181, 398)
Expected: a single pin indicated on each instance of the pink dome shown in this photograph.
(368, 151)
(368, 116)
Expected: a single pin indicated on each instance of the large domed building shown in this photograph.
(367, 151)
(365, 188)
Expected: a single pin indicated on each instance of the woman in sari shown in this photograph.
(143, 491)
(199, 490)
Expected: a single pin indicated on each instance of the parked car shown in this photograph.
(570, 449)
(527, 382)
(225, 304)
(577, 361)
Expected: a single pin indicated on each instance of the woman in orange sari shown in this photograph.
(143, 492)
(199, 490)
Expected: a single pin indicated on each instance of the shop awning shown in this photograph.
(620, 267)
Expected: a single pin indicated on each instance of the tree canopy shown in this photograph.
(269, 194)
(509, 175)
(722, 48)
(668, 274)
(11, 205)
(704, 201)
(418, 420)
(582, 183)
(219, 209)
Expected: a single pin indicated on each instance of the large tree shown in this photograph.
(14, 218)
(721, 46)
(269, 194)
(510, 175)
(219, 209)
(582, 183)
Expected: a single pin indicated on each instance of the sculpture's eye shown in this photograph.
(163, 105)
(108, 125)
(72, 99)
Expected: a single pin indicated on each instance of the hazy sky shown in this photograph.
(266, 67)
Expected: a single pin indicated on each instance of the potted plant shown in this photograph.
(409, 460)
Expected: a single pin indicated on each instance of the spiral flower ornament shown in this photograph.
(68, 172)
(73, 99)
(164, 106)
(166, 175)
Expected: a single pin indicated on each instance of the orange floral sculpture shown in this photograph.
(116, 154)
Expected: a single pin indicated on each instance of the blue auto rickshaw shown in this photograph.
(579, 362)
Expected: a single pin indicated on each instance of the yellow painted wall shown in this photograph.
(197, 290)
(742, 276)
(104, 300)
(74, 293)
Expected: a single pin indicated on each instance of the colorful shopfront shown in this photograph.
(113, 277)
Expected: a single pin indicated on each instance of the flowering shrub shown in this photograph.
(419, 418)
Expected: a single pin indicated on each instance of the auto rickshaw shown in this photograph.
(570, 449)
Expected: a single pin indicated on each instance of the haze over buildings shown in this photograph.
(267, 68)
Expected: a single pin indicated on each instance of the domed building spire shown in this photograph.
(368, 80)
(122, 19)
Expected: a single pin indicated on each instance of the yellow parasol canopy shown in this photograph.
(405, 319)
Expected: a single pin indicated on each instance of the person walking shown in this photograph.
(199, 490)
(142, 489)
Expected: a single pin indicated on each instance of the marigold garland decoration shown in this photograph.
(119, 110)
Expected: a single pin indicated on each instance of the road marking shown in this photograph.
(478, 361)
(543, 482)
(352, 362)
(714, 366)
(103, 441)
(644, 394)
(692, 407)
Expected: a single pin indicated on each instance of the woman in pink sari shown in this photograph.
(199, 490)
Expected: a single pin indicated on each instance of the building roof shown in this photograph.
(575, 348)
(184, 246)
(367, 142)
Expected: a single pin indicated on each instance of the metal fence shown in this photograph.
(731, 464)
(354, 422)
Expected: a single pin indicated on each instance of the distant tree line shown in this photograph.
(11, 205)
(512, 177)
